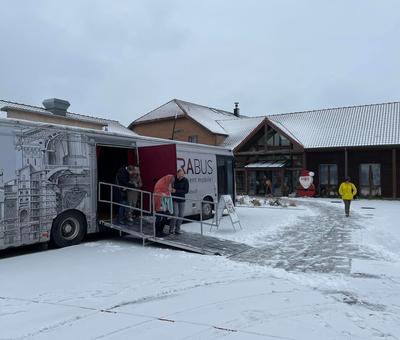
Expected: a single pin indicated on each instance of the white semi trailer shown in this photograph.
(49, 177)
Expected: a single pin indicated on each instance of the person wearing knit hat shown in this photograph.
(347, 190)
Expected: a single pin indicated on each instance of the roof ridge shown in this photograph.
(158, 107)
(240, 119)
(332, 108)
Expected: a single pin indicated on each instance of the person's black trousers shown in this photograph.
(347, 207)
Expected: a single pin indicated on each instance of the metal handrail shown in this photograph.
(111, 202)
(152, 211)
(111, 185)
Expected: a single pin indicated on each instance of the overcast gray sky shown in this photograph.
(120, 59)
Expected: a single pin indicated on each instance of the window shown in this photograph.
(370, 174)
(328, 174)
(370, 179)
(275, 139)
(328, 179)
(193, 139)
(284, 141)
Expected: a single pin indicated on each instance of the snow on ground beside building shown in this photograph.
(313, 275)
(382, 224)
(379, 220)
(257, 222)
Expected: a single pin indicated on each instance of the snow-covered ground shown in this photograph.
(310, 273)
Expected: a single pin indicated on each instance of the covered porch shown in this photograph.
(263, 178)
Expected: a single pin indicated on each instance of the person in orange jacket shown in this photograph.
(347, 190)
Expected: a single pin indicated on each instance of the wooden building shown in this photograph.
(362, 142)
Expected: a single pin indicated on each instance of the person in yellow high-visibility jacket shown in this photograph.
(347, 190)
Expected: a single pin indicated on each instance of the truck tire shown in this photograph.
(68, 229)
(207, 208)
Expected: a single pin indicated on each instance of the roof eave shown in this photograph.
(251, 134)
(51, 115)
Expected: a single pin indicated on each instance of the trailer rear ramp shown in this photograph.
(187, 241)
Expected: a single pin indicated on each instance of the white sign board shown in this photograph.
(231, 208)
(225, 202)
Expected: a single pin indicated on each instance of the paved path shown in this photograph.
(320, 243)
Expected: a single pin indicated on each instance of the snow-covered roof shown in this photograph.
(112, 126)
(372, 125)
(239, 129)
(208, 117)
(168, 110)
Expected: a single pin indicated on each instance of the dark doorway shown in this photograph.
(109, 160)
(226, 184)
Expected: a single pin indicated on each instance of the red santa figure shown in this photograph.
(306, 187)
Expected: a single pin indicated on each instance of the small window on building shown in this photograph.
(284, 141)
(193, 139)
(270, 141)
(328, 179)
(275, 139)
(328, 174)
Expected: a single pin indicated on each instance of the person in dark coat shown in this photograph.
(181, 188)
(123, 178)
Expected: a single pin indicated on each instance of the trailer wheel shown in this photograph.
(207, 208)
(68, 229)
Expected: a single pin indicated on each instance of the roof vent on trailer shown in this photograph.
(56, 106)
(236, 109)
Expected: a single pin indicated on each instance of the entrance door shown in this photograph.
(225, 176)
(156, 162)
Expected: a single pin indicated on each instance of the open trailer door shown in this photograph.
(156, 162)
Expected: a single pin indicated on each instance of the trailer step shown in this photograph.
(187, 241)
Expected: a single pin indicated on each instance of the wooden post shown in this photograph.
(246, 186)
(346, 163)
(394, 174)
(265, 137)
(304, 160)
